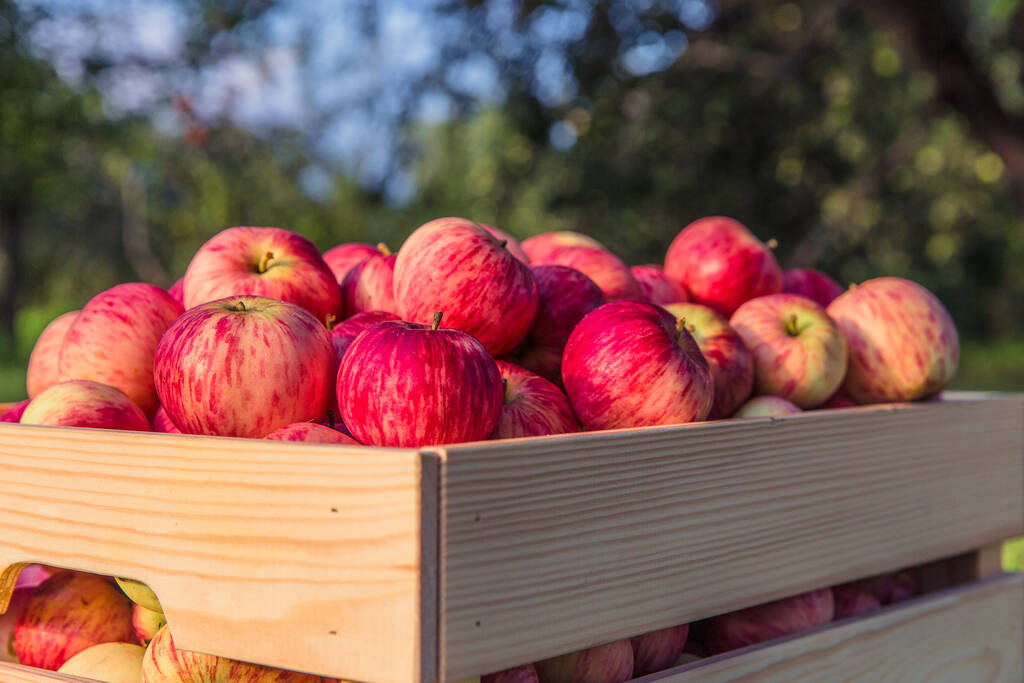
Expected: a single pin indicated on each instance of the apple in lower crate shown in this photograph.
(83, 403)
(903, 343)
(628, 364)
(107, 662)
(769, 620)
(852, 599)
(344, 257)
(532, 406)
(369, 285)
(732, 366)
(767, 406)
(837, 400)
(139, 593)
(164, 663)
(813, 284)
(43, 363)
(539, 247)
(608, 663)
(244, 366)
(520, 674)
(310, 432)
(266, 262)
(658, 650)
(14, 413)
(607, 270)
(799, 352)
(146, 623)
(114, 338)
(9, 620)
(657, 287)
(68, 613)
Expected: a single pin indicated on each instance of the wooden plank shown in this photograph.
(15, 673)
(555, 544)
(301, 556)
(971, 633)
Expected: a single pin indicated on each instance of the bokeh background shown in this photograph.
(867, 136)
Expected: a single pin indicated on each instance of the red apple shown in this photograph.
(608, 663)
(9, 620)
(813, 284)
(369, 285)
(344, 333)
(511, 243)
(767, 406)
(162, 422)
(344, 257)
(903, 343)
(520, 674)
(44, 362)
(769, 620)
(799, 352)
(266, 262)
(244, 366)
(892, 587)
(311, 433)
(539, 247)
(14, 413)
(83, 403)
(658, 650)
(67, 613)
(31, 575)
(628, 365)
(732, 366)
(657, 287)
(146, 622)
(177, 291)
(107, 662)
(722, 264)
(852, 599)
(164, 663)
(838, 400)
(409, 385)
(566, 295)
(606, 269)
(533, 406)
(454, 265)
(113, 339)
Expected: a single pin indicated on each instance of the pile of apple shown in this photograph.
(465, 334)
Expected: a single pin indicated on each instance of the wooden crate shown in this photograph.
(397, 566)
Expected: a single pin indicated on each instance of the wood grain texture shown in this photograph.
(15, 673)
(300, 556)
(971, 633)
(555, 544)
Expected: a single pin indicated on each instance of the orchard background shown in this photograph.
(869, 137)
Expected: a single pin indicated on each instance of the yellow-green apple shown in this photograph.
(177, 291)
(107, 662)
(767, 406)
(244, 366)
(520, 674)
(146, 623)
(162, 422)
(267, 262)
(44, 362)
(628, 364)
(539, 247)
(722, 264)
(769, 620)
(14, 413)
(369, 285)
(84, 403)
(566, 295)
(852, 599)
(164, 663)
(114, 337)
(813, 284)
(657, 650)
(67, 613)
(511, 243)
(608, 663)
(310, 432)
(657, 287)
(342, 258)
(410, 385)
(607, 270)
(799, 352)
(344, 333)
(454, 265)
(533, 406)
(903, 343)
(732, 366)
(139, 593)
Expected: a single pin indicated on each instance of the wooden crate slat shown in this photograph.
(556, 544)
(972, 633)
(300, 556)
(15, 673)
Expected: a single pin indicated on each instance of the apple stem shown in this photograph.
(241, 304)
(772, 243)
(437, 320)
(265, 262)
(680, 326)
(502, 243)
(383, 248)
(791, 326)
(329, 321)
(853, 285)
(504, 389)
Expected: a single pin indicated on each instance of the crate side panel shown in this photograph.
(971, 633)
(552, 545)
(299, 556)
(15, 673)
